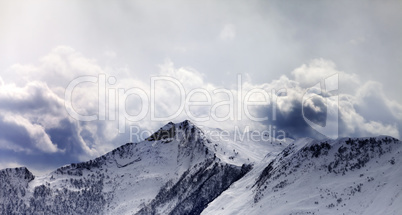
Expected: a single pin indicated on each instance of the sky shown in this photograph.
(80, 78)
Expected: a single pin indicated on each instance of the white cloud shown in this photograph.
(319, 69)
(37, 103)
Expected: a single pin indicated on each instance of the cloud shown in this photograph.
(35, 127)
(33, 118)
(56, 69)
(34, 132)
(364, 109)
(307, 75)
(356, 117)
(208, 44)
(26, 111)
(369, 112)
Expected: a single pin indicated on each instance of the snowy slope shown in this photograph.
(126, 179)
(346, 176)
(238, 149)
(182, 169)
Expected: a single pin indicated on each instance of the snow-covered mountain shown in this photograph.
(344, 176)
(182, 169)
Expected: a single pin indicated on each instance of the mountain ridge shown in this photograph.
(181, 169)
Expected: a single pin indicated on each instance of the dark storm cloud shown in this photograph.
(317, 112)
(35, 128)
(292, 122)
(367, 113)
(22, 147)
(15, 136)
(19, 146)
(66, 138)
(35, 98)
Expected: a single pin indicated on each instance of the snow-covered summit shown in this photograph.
(183, 169)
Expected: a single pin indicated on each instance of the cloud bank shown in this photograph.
(36, 129)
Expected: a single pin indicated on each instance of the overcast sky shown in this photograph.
(292, 45)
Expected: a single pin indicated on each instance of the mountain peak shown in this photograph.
(168, 131)
(186, 123)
